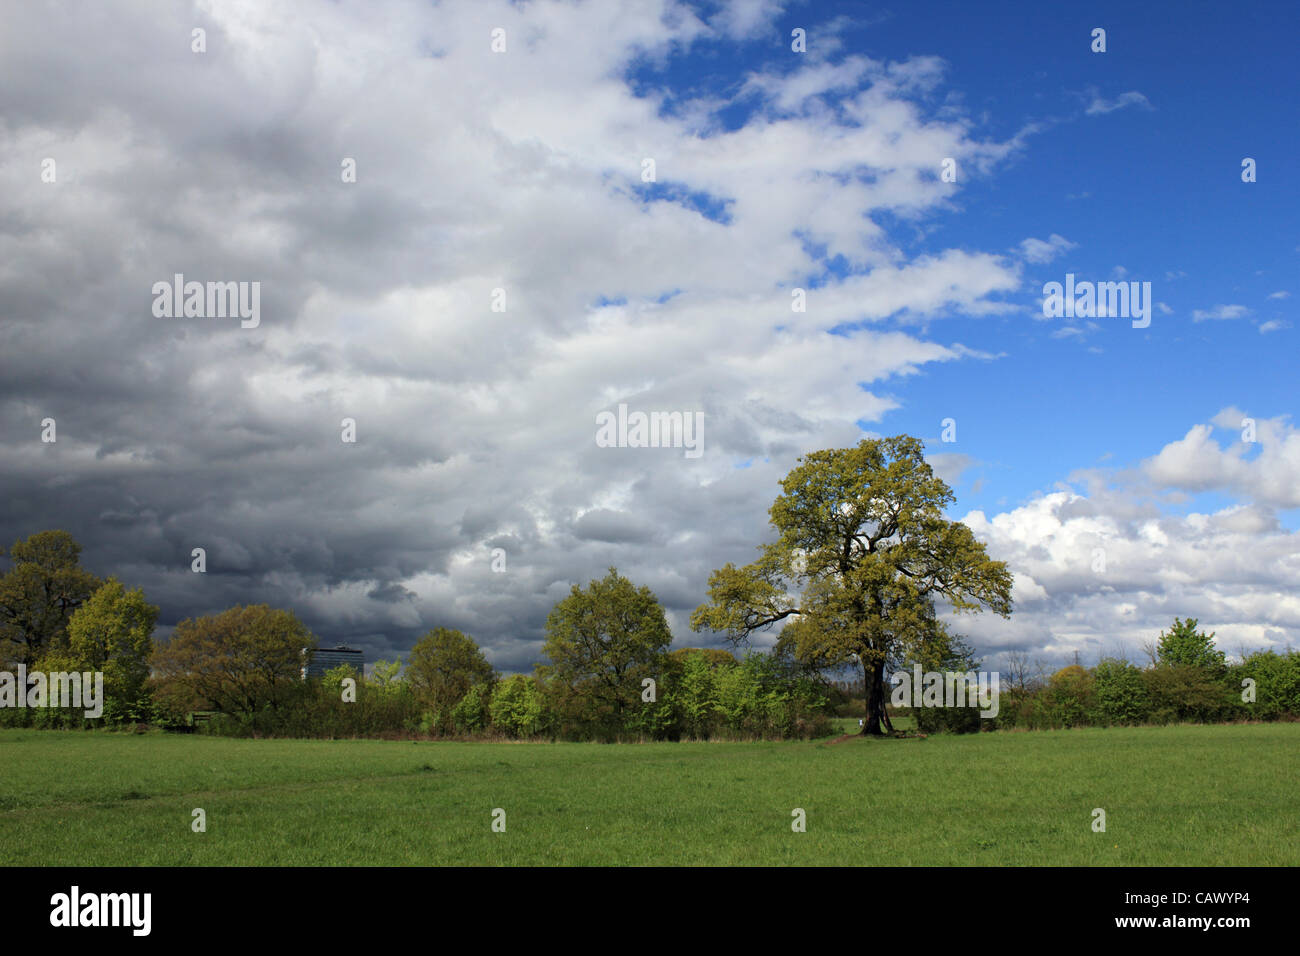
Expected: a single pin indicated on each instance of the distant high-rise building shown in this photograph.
(327, 658)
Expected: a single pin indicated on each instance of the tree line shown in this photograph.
(860, 560)
(608, 674)
(1186, 680)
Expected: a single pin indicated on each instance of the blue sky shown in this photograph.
(1152, 187)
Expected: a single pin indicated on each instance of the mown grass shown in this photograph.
(1205, 795)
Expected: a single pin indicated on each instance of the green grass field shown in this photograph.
(1213, 795)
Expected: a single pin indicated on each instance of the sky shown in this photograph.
(499, 271)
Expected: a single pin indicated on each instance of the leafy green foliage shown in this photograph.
(1121, 693)
(472, 713)
(602, 642)
(697, 698)
(1277, 684)
(516, 707)
(112, 632)
(1116, 692)
(862, 553)
(38, 595)
(949, 655)
(1184, 692)
(239, 662)
(1187, 646)
(444, 666)
(1071, 696)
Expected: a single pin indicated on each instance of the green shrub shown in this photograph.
(1277, 684)
(516, 707)
(1187, 646)
(471, 714)
(1121, 693)
(1070, 697)
(1182, 692)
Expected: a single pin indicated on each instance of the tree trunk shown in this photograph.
(876, 717)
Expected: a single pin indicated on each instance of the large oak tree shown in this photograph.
(863, 552)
